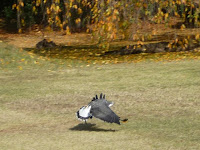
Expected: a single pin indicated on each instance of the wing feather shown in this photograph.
(104, 113)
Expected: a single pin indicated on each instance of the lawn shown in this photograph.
(39, 97)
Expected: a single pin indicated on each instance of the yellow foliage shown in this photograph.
(14, 6)
(176, 40)
(22, 4)
(36, 62)
(48, 11)
(18, 8)
(80, 11)
(78, 20)
(20, 67)
(183, 27)
(116, 12)
(178, 2)
(143, 39)
(23, 22)
(19, 30)
(197, 36)
(109, 27)
(53, 6)
(34, 9)
(68, 31)
(58, 9)
(186, 41)
(57, 1)
(166, 15)
(57, 18)
(135, 37)
(90, 6)
(114, 17)
(176, 14)
(70, 4)
(75, 6)
(139, 43)
(61, 26)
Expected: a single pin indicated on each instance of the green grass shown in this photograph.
(38, 102)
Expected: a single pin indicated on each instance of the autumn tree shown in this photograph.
(109, 18)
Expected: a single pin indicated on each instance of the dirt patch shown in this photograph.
(29, 40)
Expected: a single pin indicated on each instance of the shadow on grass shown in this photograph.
(89, 127)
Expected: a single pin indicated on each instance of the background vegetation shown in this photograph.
(108, 20)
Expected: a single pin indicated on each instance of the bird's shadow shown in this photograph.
(89, 127)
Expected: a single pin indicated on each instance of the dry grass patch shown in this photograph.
(161, 101)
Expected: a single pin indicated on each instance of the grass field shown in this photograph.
(38, 101)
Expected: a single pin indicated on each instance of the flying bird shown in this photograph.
(99, 108)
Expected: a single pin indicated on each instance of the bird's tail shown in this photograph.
(124, 120)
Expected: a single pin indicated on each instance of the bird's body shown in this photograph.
(99, 108)
(84, 112)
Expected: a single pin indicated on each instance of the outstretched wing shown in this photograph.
(104, 113)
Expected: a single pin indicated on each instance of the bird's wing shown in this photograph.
(102, 99)
(109, 103)
(104, 113)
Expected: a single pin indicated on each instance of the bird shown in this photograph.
(99, 108)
